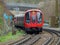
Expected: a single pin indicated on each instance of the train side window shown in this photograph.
(39, 17)
(27, 16)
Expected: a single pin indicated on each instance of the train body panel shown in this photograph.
(34, 14)
(19, 21)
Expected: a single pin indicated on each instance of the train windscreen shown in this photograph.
(39, 17)
(27, 15)
(33, 15)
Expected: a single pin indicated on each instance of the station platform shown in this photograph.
(46, 26)
(57, 29)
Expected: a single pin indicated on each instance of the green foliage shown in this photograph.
(10, 36)
(1, 21)
(26, 1)
(30, 1)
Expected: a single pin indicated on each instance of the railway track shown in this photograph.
(26, 37)
(48, 37)
(53, 40)
(31, 39)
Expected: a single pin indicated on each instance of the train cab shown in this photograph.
(33, 19)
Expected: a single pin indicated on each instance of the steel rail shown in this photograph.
(32, 40)
(27, 37)
(50, 41)
(58, 42)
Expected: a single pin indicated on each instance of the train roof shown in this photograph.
(33, 10)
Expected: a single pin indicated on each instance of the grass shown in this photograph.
(10, 36)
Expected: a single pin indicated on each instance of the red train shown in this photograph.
(32, 19)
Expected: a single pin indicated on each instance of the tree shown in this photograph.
(56, 8)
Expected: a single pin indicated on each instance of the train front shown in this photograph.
(34, 19)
